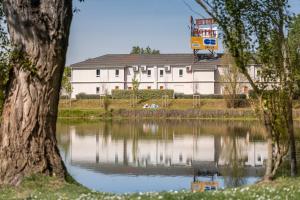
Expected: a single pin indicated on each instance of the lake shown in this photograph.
(124, 156)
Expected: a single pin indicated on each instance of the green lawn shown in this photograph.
(125, 104)
(51, 188)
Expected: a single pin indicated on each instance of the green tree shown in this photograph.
(294, 44)
(4, 56)
(255, 32)
(230, 78)
(140, 50)
(135, 85)
(135, 50)
(135, 88)
(66, 82)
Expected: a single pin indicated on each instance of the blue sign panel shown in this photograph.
(209, 41)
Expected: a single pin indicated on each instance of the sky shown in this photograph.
(115, 26)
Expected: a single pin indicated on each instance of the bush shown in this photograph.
(202, 96)
(207, 96)
(141, 94)
(64, 97)
(87, 96)
(237, 103)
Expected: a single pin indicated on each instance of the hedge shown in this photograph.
(252, 95)
(207, 96)
(64, 96)
(142, 94)
(87, 96)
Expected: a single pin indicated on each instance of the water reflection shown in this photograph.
(168, 153)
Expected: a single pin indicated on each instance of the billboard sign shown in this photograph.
(204, 34)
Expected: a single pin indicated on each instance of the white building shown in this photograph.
(179, 72)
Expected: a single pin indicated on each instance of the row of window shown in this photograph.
(161, 73)
(129, 88)
(117, 72)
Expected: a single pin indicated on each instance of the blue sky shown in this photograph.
(114, 26)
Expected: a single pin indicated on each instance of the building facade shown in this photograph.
(179, 72)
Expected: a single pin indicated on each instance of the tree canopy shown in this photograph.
(140, 50)
(4, 55)
(256, 33)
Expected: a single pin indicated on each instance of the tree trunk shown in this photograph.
(290, 123)
(267, 122)
(39, 31)
(269, 164)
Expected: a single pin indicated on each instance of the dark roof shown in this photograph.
(150, 60)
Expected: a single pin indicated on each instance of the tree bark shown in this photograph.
(290, 124)
(39, 31)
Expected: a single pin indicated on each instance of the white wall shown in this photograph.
(86, 81)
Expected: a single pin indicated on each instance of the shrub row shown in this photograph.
(64, 97)
(142, 94)
(207, 96)
(87, 96)
(253, 96)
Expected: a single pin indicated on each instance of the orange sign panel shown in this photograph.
(204, 43)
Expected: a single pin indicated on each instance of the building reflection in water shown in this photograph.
(168, 148)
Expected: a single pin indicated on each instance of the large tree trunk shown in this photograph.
(39, 31)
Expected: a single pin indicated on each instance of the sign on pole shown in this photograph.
(204, 34)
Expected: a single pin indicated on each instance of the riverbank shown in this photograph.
(177, 109)
(40, 187)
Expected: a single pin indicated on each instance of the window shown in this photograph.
(149, 73)
(259, 158)
(246, 90)
(180, 72)
(97, 90)
(161, 73)
(180, 158)
(161, 87)
(117, 87)
(117, 73)
(149, 87)
(97, 72)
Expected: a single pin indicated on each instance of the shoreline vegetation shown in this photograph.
(176, 109)
(42, 187)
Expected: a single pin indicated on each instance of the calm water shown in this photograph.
(139, 156)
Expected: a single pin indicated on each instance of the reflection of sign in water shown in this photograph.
(202, 186)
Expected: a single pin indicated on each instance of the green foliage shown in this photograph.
(135, 85)
(142, 94)
(87, 96)
(66, 82)
(207, 96)
(106, 102)
(4, 56)
(140, 50)
(294, 46)
(260, 32)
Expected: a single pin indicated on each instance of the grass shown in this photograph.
(178, 104)
(41, 187)
(90, 108)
